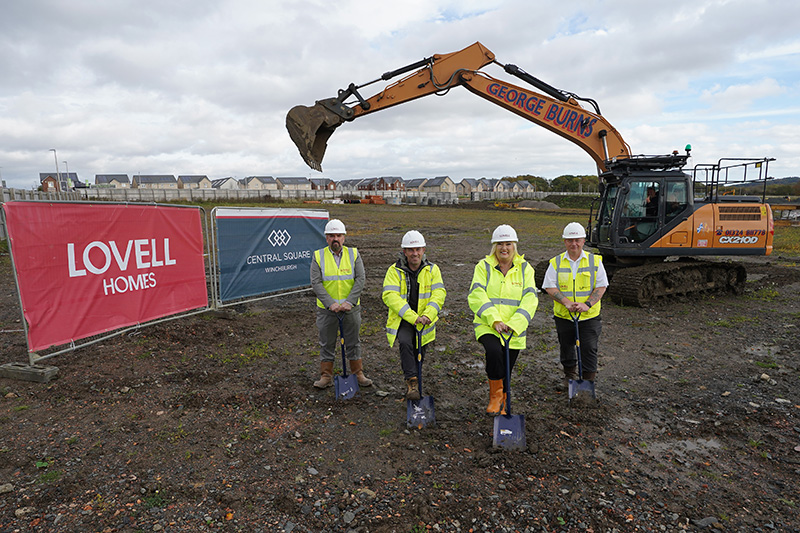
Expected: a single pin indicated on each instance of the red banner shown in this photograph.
(88, 268)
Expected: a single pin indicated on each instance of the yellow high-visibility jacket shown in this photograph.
(578, 289)
(395, 295)
(511, 298)
(337, 280)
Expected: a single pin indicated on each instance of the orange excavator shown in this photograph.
(653, 221)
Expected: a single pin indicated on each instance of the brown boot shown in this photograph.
(413, 389)
(570, 373)
(356, 368)
(326, 375)
(590, 376)
(497, 398)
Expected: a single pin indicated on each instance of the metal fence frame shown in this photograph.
(219, 304)
(34, 357)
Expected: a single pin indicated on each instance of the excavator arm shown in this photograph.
(558, 111)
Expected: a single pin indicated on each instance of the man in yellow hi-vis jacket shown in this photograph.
(414, 292)
(337, 278)
(576, 281)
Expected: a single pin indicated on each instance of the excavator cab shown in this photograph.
(649, 212)
(642, 198)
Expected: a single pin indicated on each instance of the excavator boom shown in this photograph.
(311, 127)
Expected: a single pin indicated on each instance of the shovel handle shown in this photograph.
(419, 360)
(507, 346)
(576, 318)
(340, 316)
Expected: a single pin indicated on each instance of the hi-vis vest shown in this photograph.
(511, 298)
(431, 299)
(579, 289)
(338, 281)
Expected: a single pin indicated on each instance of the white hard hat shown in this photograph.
(574, 230)
(413, 239)
(504, 233)
(335, 226)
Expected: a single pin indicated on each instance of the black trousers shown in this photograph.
(496, 356)
(407, 340)
(589, 332)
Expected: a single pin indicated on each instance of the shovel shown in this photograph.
(579, 385)
(345, 386)
(419, 413)
(509, 430)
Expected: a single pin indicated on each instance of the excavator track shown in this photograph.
(641, 286)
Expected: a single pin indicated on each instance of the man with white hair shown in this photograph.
(337, 278)
(576, 280)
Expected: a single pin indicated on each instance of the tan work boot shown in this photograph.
(412, 384)
(497, 398)
(590, 376)
(326, 375)
(356, 368)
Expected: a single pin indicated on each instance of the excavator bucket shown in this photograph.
(310, 128)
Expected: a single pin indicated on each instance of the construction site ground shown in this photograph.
(211, 422)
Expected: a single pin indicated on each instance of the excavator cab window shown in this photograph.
(677, 200)
(605, 215)
(640, 210)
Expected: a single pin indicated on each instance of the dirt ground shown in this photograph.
(210, 423)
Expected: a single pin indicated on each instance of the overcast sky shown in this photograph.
(203, 86)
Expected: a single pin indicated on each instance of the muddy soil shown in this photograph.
(210, 423)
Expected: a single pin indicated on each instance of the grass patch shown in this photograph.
(155, 499)
(769, 363)
(49, 477)
(766, 294)
(732, 321)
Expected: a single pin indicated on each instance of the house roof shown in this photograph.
(320, 181)
(100, 179)
(262, 179)
(285, 180)
(416, 182)
(470, 181)
(155, 178)
(192, 179)
(220, 181)
(437, 181)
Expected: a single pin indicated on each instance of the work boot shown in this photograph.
(413, 389)
(590, 376)
(326, 375)
(497, 398)
(356, 368)
(570, 373)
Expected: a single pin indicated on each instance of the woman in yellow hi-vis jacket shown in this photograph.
(503, 297)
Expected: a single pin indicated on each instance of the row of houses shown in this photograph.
(67, 182)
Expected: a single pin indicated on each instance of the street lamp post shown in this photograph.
(67, 167)
(58, 172)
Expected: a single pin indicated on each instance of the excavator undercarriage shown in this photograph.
(648, 284)
(658, 282)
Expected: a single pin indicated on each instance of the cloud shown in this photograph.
(203, 86)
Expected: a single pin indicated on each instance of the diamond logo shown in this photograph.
(279, 237)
